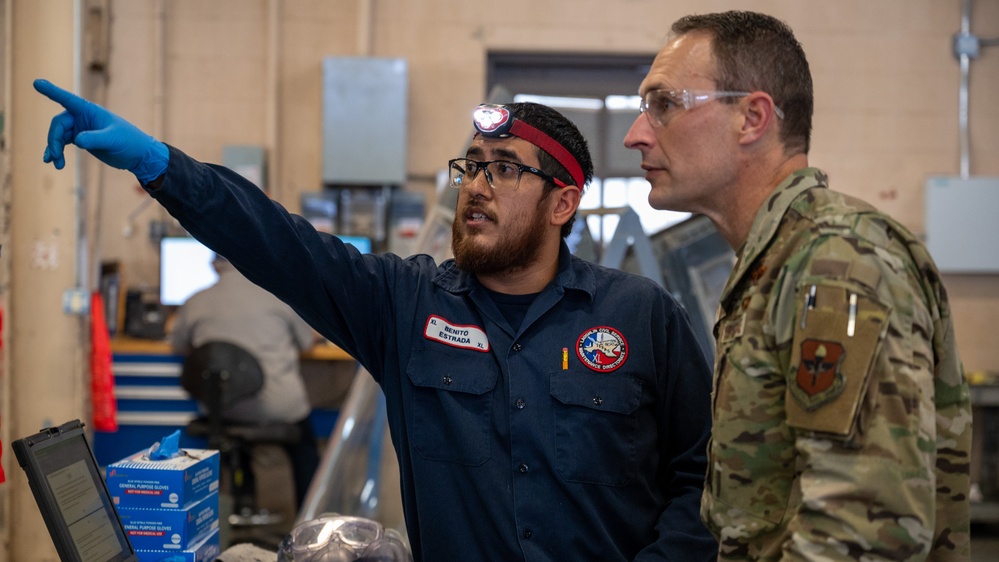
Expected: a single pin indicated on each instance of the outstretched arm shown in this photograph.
(109, 138)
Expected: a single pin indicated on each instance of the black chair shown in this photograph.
(219, 375)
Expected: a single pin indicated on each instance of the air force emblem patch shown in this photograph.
(602, 349)
(819, 378)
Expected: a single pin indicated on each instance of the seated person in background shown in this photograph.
(237, 311)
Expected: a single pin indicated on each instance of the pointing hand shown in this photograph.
(109, 138)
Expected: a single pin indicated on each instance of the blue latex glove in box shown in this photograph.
(166, 448)
(109, 138)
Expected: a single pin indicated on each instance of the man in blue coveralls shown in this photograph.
(541, 407)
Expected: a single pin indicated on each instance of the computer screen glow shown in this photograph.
(185, 269)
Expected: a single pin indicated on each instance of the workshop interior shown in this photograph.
(346, 113)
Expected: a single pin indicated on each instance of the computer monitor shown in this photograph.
(362, 243)
(186, 266)
(185, 269)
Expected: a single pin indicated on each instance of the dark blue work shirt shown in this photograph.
(580, 436)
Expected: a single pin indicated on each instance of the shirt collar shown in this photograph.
(573, 273)
(768, 219)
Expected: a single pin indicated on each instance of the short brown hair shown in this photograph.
(757, 52)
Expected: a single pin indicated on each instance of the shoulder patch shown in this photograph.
(837, 336)
(818, 379)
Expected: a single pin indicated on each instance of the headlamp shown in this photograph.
(497, 121)
(492, 120)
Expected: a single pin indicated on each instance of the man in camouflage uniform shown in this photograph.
(842, 419)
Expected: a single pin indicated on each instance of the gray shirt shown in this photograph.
(237, 311)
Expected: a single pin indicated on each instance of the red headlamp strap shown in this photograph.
(551, 146)
(496, 121)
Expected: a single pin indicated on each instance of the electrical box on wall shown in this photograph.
(247, 161)
(962, 232)
(364, 121)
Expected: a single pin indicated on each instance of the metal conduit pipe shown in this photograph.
(365, 27)
(79, 170)
(964, 55)
(967, 46)
(272, 108)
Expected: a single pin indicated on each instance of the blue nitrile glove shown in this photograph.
(165, 448)
(110, 138)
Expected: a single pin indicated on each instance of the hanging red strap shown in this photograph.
(101, 375)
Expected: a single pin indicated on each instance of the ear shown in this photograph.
(759, 116)
(566, 203)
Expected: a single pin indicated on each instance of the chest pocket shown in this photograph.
(595, 426)
(452, 405)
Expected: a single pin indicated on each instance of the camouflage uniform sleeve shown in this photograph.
(864, 401)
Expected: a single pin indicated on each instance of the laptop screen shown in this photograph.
(71, 494)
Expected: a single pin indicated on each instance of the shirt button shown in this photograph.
(597, 401)
(523, 468)
(520, 403)
(517, 347)
(527, 533)
(447, 380)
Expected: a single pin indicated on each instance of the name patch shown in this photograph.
(456, 335)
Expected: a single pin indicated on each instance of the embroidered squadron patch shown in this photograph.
(602, 349)
(819, 379)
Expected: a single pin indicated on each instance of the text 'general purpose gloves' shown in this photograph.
(109, 138)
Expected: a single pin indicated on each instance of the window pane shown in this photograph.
(653, 220)
(626, 192)
(623, 102)
(602, 228)
(621, 160)
(562, 102)
(591, 197)
(615, 192)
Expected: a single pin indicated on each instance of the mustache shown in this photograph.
(476, 207)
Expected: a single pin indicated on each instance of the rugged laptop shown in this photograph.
(70, 491)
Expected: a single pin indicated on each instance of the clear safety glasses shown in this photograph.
(342, 538)
(657, 104)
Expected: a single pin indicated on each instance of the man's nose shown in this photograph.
(640, 133)
(479, 186)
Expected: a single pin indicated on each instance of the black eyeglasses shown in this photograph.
(501, 174)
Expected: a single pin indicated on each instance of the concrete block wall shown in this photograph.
(202, 75)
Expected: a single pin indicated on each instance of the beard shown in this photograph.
(512, 252)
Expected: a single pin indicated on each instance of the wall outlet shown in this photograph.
(75, 301)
